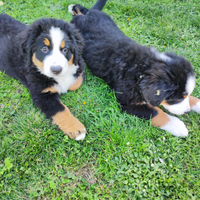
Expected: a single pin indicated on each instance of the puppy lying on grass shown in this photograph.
(141, 77)
(45, 57)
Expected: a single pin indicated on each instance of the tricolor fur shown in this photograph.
(45, 57)
(141, 77)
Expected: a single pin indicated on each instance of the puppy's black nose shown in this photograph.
(56, 69)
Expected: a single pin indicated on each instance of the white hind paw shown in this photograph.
(70, 8)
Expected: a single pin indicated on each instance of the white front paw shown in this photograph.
(176, 127)
(196, 108)
(80, 137)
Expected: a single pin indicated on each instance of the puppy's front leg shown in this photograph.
(158, 118)
(69, 124)
(169, 123)
(49, 102)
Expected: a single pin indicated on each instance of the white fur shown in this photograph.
(56, 57)
(65, 81)
(196, 108)
(80, 137)
(70, 7)
(190, 84)
(161, 56)
(176, 127)
(180, 108)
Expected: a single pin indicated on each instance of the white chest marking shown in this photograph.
(66, 80)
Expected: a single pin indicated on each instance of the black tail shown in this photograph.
(99, 4)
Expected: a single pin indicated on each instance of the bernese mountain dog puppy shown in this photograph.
(141, 77)
(46, 57)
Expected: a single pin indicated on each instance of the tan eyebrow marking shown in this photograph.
(62, 44)
(46, 42)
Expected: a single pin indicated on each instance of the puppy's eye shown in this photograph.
(44, 49)
(64, 50)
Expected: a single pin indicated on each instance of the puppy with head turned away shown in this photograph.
(142, 77)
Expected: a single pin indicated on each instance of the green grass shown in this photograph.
(122, 156)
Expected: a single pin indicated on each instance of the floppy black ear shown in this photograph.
(28, 37)
(154, 92)
(78, 43)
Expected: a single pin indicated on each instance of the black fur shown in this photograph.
(135, 72)
(17, 45)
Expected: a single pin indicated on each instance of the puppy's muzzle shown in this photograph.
(56, 69)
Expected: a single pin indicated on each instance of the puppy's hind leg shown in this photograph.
(78, 83)
(77, 10)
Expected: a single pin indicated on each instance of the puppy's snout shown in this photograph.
(56, 69)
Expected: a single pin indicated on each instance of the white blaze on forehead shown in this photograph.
(55, 58)
(57, 37)
(190, 84)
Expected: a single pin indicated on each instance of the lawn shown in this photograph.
(122, 157)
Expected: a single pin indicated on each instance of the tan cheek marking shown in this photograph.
(164, 103)
(51, 89)
(193, 101)
(68, 123)
(160, 119)
(37, 63)
(46, 42)
(77, 84)
(62, 44)
(71, 60)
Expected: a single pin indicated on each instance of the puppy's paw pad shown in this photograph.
(80, 137)
(76, 130)
(176, 127)
(70, 8)
(196, 108)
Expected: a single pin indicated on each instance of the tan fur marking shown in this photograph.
(78, 12)
(51, 89)
(77, 84)
(46, 42)
(71, 60)
(70, 125)
(62, 44)
(193, 101)
(73, 13)
(164, 103)
(37, 63)
(160, 119)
